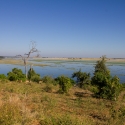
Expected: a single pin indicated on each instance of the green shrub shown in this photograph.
(82, 78)
(108, 87)
(2, 77)
(49, 80)
(16, 75)
(112, 89)
(123, 85)
(33, 76)
(101, 67)
(64, 83)
(100, 79)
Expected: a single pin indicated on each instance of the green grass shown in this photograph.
(31, 104)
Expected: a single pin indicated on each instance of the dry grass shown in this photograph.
(30, 104)
(18, 62)
(11, 61)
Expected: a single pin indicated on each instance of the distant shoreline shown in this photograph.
(83, 59)
(64, 59)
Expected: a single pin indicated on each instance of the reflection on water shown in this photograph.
(57, 68)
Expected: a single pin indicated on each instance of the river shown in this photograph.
(56, 68)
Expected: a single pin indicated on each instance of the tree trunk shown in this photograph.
(25, 70)
(25, 67)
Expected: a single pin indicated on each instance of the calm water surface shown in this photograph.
(57, 68)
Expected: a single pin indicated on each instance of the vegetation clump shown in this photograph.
(108, 87)
(33, 76)
(16, 75)
(2, 77)
(65, 83)
(82, 78)
(49, 80)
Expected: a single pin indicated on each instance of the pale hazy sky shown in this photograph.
(63, 28)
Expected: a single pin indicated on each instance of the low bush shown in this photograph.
(82, 78)
(65, 83)
(108, 87)
(112, 89)
(49, 80)
(2, 77)
(33, 76)
(16, 75)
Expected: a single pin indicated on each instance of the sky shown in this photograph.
(63, 28)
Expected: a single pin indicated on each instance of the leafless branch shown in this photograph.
(20, 56)
(27, 55)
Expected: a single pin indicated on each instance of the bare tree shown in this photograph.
(27, 55)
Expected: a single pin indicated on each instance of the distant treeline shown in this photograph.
(6, 56)
(1, 57)
(117, 58)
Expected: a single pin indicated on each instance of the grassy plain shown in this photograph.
(30, 104)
